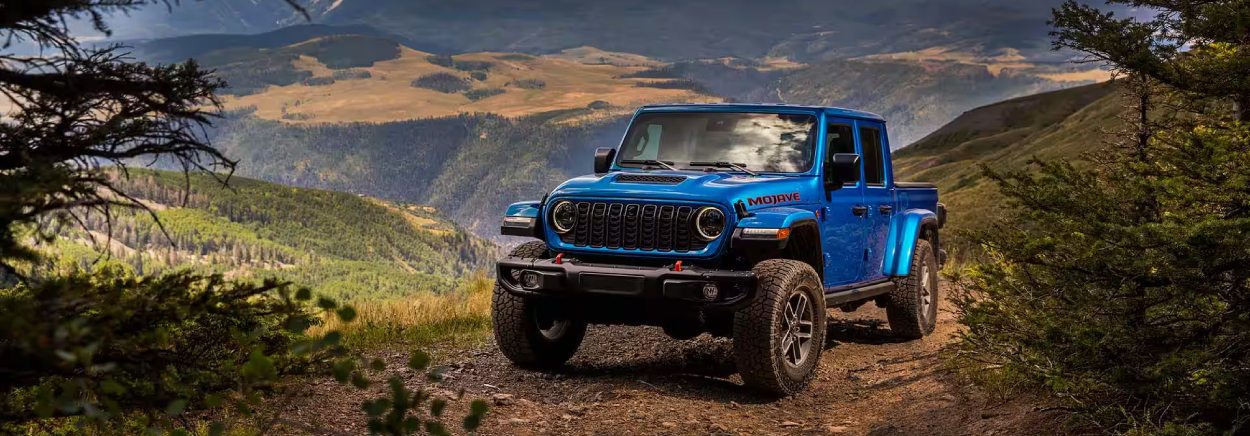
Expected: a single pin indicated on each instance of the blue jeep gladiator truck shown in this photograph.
(743, 221)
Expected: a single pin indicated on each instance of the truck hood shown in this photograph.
(724, 188)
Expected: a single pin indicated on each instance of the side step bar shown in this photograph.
(838, 297)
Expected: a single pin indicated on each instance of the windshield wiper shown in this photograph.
(652, 162)
(730, 165)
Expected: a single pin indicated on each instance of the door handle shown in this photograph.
(885, 209)
(860, 210)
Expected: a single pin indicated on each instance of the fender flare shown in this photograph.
(776, 217)
(800, 221)
(905, 229)
(528, 209)
(523, 209)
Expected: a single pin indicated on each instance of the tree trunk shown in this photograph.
(1243, 108)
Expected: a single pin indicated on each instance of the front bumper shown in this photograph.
(572, 278)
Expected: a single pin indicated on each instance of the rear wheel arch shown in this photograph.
(929, 232)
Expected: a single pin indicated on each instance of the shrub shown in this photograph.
(318, 81)
(529, 84)
(515, 57)
(688, 85)
(351, 74)
(442, 82)
(665, 72)
(472, 65)
(441, 60)
(478, 75)
(478, 94)
(598, 105)
(105, 344)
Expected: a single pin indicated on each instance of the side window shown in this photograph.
(839, 138)
(874, 158)
(647, 145)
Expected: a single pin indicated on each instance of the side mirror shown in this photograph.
(603, 159)
(842, 169)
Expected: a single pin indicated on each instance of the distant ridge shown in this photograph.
(180, 48)
(1005, 136)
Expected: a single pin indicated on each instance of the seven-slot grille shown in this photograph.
(634, 226)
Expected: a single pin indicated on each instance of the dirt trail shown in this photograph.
(635, 380)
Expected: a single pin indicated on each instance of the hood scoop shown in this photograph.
(654, 179)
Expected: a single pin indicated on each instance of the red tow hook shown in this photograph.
(677, 266)
(559, 258)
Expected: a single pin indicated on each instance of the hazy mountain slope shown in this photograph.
(340, 244)
(1006, 135)
(804, 30)
(469, 166)
(179, 48)
(915, 98)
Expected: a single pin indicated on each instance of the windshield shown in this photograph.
(780, 143)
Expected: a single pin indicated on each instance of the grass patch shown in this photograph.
(461, 315)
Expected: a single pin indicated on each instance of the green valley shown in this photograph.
(342, 245)
(1005, 136)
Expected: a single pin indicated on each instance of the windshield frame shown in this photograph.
(813, 140)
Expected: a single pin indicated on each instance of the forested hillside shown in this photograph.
(469, 166)
(1005, 136)
(340, 244)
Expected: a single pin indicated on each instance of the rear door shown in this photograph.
(878, 197)
(842, 219)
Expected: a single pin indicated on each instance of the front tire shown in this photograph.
(530, 332)
(912, 306)
(778, 337)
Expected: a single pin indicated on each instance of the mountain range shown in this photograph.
(469, 106)
(469, 133)
(802, 30)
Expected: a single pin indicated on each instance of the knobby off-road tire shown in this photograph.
(765, 330)
(912, 306)
(525, 330)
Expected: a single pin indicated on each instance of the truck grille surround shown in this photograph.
(634, 226)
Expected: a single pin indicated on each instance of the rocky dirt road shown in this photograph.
(635, 380)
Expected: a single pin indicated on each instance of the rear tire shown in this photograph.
(529, 331)
(912, 307)
(778, 337)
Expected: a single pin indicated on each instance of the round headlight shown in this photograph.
(709, 223)
(563, 216)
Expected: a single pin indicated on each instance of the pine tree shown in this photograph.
(1121, 282)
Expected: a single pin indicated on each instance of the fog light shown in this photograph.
(710, 291)
(530, 280)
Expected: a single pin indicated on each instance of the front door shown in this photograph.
(878, 197)
(842, 218)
